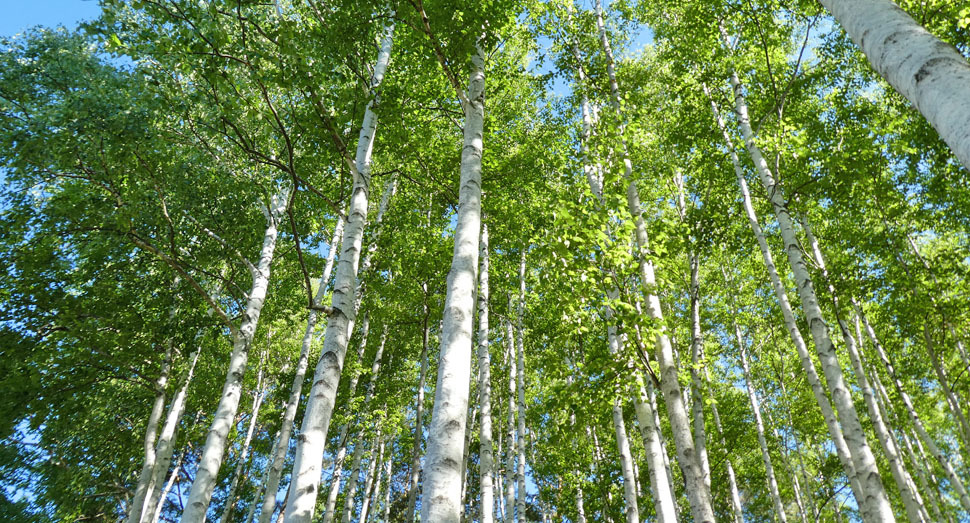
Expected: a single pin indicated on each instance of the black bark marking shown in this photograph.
(927, 68)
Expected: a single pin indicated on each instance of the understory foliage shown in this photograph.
(143, 153)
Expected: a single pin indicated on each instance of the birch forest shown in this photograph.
(496, 261)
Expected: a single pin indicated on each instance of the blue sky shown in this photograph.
(19, 15)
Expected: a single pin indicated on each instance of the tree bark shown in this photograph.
(931, 74)
(215, 443)
(296, 389)
(151, 433)
(258, 395)
(323, 393)
(484, 387)
(441, 497)
(520, 385)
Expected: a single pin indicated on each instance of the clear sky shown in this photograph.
(22, 14)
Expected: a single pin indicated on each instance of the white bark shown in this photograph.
(342, 437)
(296, 389)
(258, 394)
(698, 493)
(511, 447)
(415, 472)
(168, 487)
(484, 387)
(372, 469)
(215, 443)
(350, 491)
(441, 495)
(955, 482)
(736, 508)
(900, 476)
(696, 354)
(166, 444)
(520, 385)
(760, 427)
(931, 74)
(323, 393)
(151, 432)
(808, 366)
(875, 503)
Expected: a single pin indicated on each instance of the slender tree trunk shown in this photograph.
(442, 484)
(955, 482)
(941, 375)
(933, 75)
(320, 403)
(900, 476)
(520, 385)
(296, 389)
(808, 366)
(499, 484)
(415, 472)
(736, 508)
(343, 437)
(875, 505)
(215, 443)
(484, 386)
(258, 395)
(511, 460)
(697, 492)
(151, 433)
(372, 469)
(389, 470)
(697, 387)
(350, 491)
(760, 427)
(166, 489)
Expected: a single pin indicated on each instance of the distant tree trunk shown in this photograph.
(296, 389)
(320, 403)
(955, 482)
(697, 387)
(369, 477)
(697, 492)
(760, 427)
(933, 75)
(215, 442)
(875, 504)
(442, 485)
(900, 476)
(343, 437)
(484, 386)
(808, 366)
(415, 472)
(258, 394)
(520, 384)
(350, 490)
(511, 448)
(151, 432)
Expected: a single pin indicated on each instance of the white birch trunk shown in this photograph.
(760, 427)
(389, 471)
(933, 75)
(323, 393)
(372, 469)
(350, 491)
(631, 508)
(520, 385)
(215, 443)
(166, 489)
(342, 437)
(510, 453)
(696, 355)
(900, 476)
(441, 495)
(955, 481)
(808, 366)
(151, 433)
(736, 508)
(698, 493)
(296, 389)
(258, 395)
(484, 387)
(415, 472)
(875, 504)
